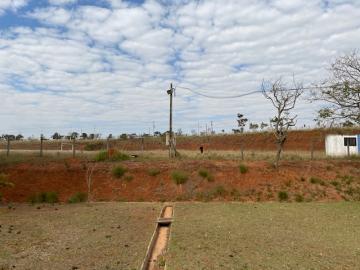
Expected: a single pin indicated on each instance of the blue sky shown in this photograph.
(104, 66)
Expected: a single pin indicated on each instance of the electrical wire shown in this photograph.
(256, 91)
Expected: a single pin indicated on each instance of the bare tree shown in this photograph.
(284, 100)
(90, 166)
(341, 91)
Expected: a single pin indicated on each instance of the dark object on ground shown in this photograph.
(201, 149)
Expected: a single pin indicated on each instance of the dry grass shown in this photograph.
(265, 236)
(95, 236)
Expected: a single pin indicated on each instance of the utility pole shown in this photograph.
(73, 146)
(172, 151)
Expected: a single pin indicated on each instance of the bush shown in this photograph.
(315, 180)
(128, 178)
(118, 156)
(283, 196)
(219, 191)
(153, 172)
(4, 181)
(93, 146)
(206, 175)
(179, 177)
(299, 198)
(78, 197)
(44, 197)
(119, 171)
(243, 168)
(101, 156)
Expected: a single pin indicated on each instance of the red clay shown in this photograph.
(261, 182)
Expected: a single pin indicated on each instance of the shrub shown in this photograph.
(315, 180)
(220, 191)
(4, 181)
(118, 156)
(101, 156)
(119, 171)
(128, 178)
(299, 198)
(78, 197)
(44, 197)
(243, 168)
(93, 146)
(153, 172)
(206, 175)
(283, 196)
(335, 183)
(179, 177)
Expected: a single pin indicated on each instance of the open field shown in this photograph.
(265, 236)
(81, 236)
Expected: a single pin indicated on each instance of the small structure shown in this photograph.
(342, 145)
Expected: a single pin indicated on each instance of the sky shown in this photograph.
(104, 66)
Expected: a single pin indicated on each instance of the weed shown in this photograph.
(101, 156)
(44, 197)
(93, 146)
(299, 198)
(206, 175)
(118, 156)
(335, 183)
(283, 196)
(78, 197)
(4, 181)
(243, 168)
(219, 191)
(153, 172)
(128, 178)
(315, 180)
(235, 194)
(179, 177)
(119, 171)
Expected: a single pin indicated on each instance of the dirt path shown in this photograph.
(168, 212)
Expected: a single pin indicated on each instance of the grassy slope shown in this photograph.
(99, 236)
(265, 236)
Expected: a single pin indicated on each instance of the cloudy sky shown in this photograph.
(105, 65)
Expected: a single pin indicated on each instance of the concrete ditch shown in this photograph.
(154, 258)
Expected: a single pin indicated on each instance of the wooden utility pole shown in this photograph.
(172, 151)
(41, 145)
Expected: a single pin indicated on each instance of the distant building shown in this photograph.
(342, 145)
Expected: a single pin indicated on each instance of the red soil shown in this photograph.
(261, 182)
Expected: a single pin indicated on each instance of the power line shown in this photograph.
(257, 91)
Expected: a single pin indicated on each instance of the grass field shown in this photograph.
(265, 236)
(81, 236)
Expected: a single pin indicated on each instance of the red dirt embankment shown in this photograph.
(334, 180)
(297, 140)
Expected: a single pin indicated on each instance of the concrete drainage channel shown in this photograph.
(154, 258)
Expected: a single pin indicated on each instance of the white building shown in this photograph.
(342, 145)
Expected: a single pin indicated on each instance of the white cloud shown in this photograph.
(109, 67)
(61, 2)
(12, 5)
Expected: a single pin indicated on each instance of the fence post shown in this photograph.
(41, 145)
(73, 147)
(8, 147)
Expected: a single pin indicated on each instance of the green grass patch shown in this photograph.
(316, 180)
(179, 177)
(283, 196)
(153, 172)
(206, 175)
(243, 168)
(119, 171)
(78, 197)
(44, 197)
